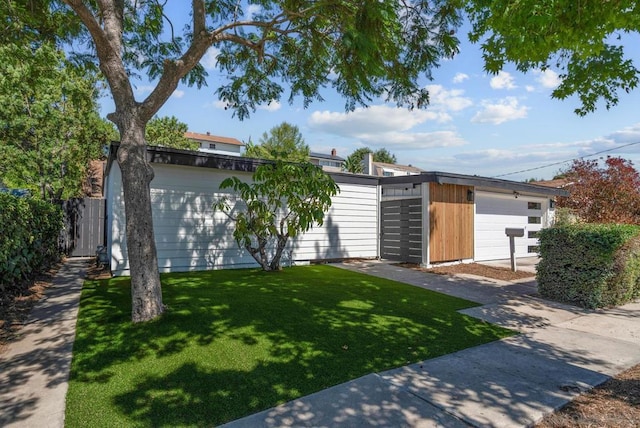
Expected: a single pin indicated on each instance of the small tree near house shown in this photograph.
(283, 201)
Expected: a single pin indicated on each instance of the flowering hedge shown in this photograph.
(590, 265)
(29, 239)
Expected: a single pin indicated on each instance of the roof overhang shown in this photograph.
(475, 181)
(170, 156)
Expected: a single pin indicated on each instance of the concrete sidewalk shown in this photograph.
(34, 371)
(562, 352)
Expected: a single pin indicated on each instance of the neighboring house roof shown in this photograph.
(558, 183)
(212, 138)
(381, 167)
(317, 155)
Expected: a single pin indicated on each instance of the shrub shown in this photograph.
(590, 265)
(29, 239)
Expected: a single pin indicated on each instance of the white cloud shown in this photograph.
(209, 61)
(552, 157)
(503, 111)
(548, 78)
(460, 77)
(272, 106)
(375, 119)
(384, 126)
(444, 100)
(143, 89)
(413, 140)
(503, 80)
(530, 88)
(178, 93)
(253, 9)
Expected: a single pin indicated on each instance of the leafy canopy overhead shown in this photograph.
(364, 50)
(584, 40)
(283, 142)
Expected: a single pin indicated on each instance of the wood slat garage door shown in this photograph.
(401, 229)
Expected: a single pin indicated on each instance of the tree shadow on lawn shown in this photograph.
(236, 342)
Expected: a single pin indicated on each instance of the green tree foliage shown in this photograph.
(353, 163)
(608, 193)
(364, 50)
(29, 239)
(168, 131)
(49, 125)
(584, 40)
(383, 155)
(283, 142)
(284, 200)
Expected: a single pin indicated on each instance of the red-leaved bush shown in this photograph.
(603, 193)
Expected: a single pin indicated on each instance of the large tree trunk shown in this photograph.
(146, 291)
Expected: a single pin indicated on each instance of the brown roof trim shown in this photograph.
(213, 138)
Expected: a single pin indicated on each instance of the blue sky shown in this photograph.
(476, 123)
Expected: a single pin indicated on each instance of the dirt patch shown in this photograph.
(615, 403)
(16, 304)
(478, 269)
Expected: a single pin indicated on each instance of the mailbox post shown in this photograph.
(513, 233)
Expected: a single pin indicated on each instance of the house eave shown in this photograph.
(475, 181)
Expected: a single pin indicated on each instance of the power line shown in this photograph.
(568, 160)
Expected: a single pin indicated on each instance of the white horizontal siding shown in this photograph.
(191, 236)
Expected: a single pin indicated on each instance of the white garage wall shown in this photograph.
(191, 236)
(494, 213)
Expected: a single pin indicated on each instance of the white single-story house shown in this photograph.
(428, 218)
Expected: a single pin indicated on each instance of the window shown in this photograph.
(532, 234)
(533, 248)
(534, 220)
(212, 146)
(534, 205)
(387, 174)
(329, 163)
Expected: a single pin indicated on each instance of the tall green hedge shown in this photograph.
(29, 239)
(590, 265)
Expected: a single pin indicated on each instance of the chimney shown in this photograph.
(367, 164)
(333, 152)
(208, 133)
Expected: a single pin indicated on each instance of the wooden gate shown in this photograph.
(450, 222)
(84, 226)
(401, 230)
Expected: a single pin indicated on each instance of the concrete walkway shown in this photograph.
(34, 370)
(562, 352)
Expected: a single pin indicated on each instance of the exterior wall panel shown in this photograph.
(191, 236)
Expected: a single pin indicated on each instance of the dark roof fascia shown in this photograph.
(324, 156)
(170, 156)
(473, 180)
(163, 155)
(347, 178)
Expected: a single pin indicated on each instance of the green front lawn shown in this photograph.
(234, 342)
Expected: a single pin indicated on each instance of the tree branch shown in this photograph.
(108, 43)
